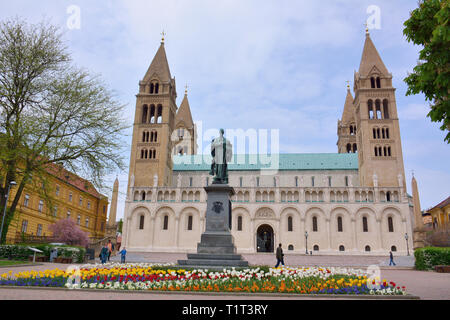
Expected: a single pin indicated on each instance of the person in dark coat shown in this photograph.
(279, 256)
(391, 258)
(104, 254)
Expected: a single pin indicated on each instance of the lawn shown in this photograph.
(7, 263)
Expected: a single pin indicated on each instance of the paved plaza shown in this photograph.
(425, 284)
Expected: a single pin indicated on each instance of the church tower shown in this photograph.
(378, 132)
(154, 122)
(346, 128)
(185, 140)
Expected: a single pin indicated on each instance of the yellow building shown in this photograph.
(68, 196)
(440, 214)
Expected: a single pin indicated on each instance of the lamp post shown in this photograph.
(407, 245)
(306, 241)
(11, 184)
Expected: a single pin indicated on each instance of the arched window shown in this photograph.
(159, 116)
(388, 196)
(239, 223)
(341, 248)
(378, 82)
(370, 109)
(379, 115)
(166, 222)
(189, 224)
(290, 228)
(143, 196)
(387, 133)
(314, 223)
(367, 248)
(385, 151)
(144, 113)
(152, 114)
(376, 152)
(154, 154)
(390, 224)
(143, 136)
(378, 133)
(349, 148)
(374, 133)
(141, 222)
(152, 88)
(393, 248)
(290, 247)
(383, 133)
(339, 223)
(354, 148)
(316, 247)
(389, 151)
(372, 82)
(386, 108)
(155, 136)
(157, 88)
(365, 225)
(379, 152)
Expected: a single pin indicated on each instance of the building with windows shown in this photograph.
(440, 214)
(66, 195)
(350, 202)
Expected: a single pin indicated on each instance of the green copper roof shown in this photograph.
(287, 161)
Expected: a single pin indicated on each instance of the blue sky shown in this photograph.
(263, 64)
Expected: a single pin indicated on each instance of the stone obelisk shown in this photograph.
(111, 226)
(418, 230)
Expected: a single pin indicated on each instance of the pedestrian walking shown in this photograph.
(123, 255)
(280, 256)
(104, 254)
(391, 258)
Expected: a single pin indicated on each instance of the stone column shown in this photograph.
(380, 243)
(177, 231)
(154, 230)
(329, 233)
(418, 231)
(355, 243)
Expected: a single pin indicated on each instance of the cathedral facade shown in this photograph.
(350, 202)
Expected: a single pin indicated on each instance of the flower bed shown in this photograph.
(168, 278)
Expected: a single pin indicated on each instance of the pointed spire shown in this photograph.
(159, 65)
(113, 207)
(184, 113)
(371, 58)
(417, 210)
(347, 114)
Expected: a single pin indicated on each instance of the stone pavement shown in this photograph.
(293, 260)
(425, 284)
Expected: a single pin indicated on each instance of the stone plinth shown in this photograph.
(216, 247)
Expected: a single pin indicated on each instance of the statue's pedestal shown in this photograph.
(216, 248)
(419, 236)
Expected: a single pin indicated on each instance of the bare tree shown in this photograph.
(51, 112)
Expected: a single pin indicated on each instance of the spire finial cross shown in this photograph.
(163, 35)
(348, 84)
(186, 88)
(367, 27)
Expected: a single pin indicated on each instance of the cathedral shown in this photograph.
(350, 202)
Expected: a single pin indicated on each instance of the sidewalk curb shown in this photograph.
(278, 295)
(22, 265)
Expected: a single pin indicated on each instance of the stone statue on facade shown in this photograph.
(221, 152)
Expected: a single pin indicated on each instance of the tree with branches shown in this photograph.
(428, 26)
(52, 113)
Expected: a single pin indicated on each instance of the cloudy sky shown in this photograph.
(263, 64)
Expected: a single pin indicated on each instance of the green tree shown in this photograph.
(120, 225)
(428, 26)
(52, 114)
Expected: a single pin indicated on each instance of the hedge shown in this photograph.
(21, 251)
(429, 257)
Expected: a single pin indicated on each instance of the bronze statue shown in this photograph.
(221, 152)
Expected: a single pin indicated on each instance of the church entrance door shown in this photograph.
(264, 239)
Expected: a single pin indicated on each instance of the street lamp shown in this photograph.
(11, 184)
(306, 241)
(407, 245)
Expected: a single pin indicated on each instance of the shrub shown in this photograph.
(429, 257)
(68, 232)
(21, 251)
